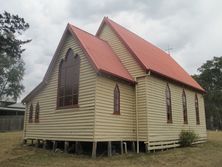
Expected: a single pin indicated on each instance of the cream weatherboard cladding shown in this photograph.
(142, 109)
(110, 127)
(151, 103)
(124, 55)
(134, 69)
(94, 120)
(158, 127)
(65, 124)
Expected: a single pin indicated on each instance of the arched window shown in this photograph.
(30, 113)
(184, 101)
(37, 108)
(68, 80)
(197, 110)
(168, 105)
(116, 100)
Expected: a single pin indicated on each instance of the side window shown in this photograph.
(197, 110)
(168, 104)
(30, 113)
(37, 108)
(184, 101)
(116, 100)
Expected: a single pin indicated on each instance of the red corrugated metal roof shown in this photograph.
(101, 54)
(151, 57)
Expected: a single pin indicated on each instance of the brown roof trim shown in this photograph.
(49, 70)
(34, 91)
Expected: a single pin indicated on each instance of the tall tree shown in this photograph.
(210, 78)
(11, 62)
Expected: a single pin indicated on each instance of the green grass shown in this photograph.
(13, 154)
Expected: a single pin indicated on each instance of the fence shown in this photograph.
(11, 123)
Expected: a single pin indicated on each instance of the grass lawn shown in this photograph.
(13, 154)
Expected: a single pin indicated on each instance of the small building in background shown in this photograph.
(11, 116)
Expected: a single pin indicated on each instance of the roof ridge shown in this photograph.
(108, 19)
(82, 43)
(86, 32)
(127, 37)
(80, 29)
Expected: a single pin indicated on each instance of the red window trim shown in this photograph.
(116, 98)
(168, 105)
(184, 104)
(37, 110)
(31, 113)
(197, 110)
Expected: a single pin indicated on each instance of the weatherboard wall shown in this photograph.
(158, 128)
(94, 119)
(142, 109)
(65, 124)
(121, 51)
(108, 126)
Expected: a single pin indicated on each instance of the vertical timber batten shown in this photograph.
(137, 128)
(147, 122)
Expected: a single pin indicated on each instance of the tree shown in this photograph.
(210, 78)
(11, 62)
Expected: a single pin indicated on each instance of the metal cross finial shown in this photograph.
(168, 49)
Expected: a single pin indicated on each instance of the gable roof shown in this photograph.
(101, 54)
(150, 57)
(98, 52)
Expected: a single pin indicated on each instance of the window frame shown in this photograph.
(184, 104)
(168, 104)
(197, 110)
(116, 98)
(31, 113)
(75, 87)
(37, 110)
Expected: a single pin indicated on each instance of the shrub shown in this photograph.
(187, 137)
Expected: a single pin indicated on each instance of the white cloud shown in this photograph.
(191, 28)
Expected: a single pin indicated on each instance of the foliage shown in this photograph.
(11, 74)
(11, 63)
(187, 137)
(10, 27)
(210, 78)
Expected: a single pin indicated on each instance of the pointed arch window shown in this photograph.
(197, 110)
(184, 101)
(30, 113)
(168, 104)
(37, 108)
(116, 100)
(68, 81)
